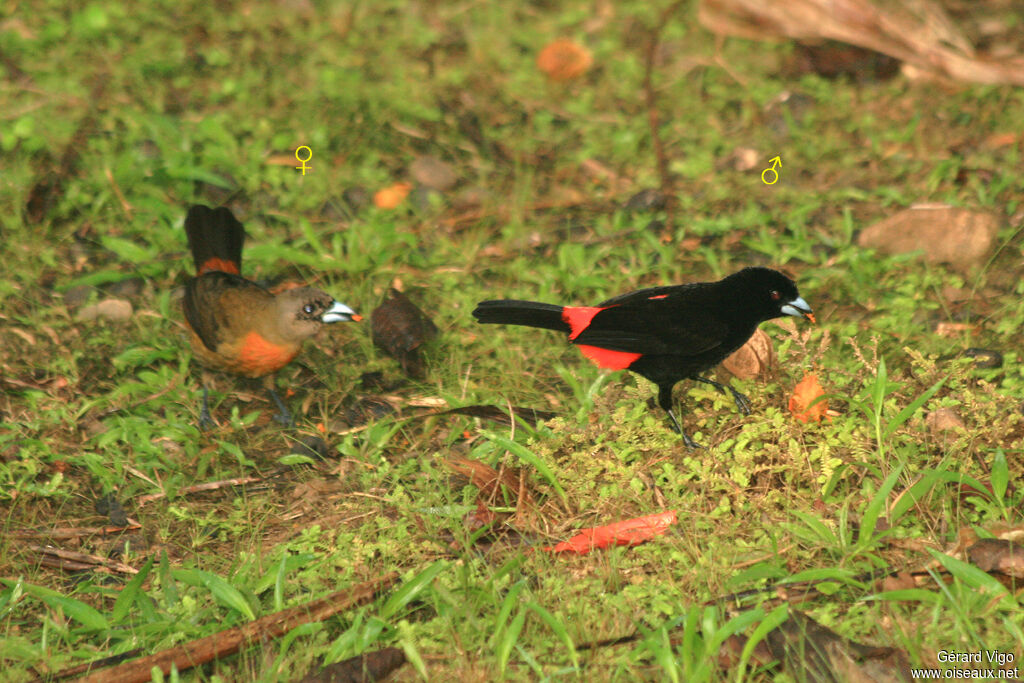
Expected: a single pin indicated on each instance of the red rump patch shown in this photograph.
(659, 296)
(579, 318)
(219, 264)
(606, 358)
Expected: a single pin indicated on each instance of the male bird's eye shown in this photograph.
(308, 309)
(775, 295)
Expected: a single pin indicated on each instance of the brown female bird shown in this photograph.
(234, 324)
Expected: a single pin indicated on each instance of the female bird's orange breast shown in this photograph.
(257, 356)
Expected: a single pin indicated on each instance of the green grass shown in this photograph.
(200, 99)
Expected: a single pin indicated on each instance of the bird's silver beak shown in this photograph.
(799, 308)
(340, 313)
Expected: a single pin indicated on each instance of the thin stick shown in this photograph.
(198, 488)
(87, 561)
(224, 643)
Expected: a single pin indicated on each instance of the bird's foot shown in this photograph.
(283, 416)
(206, 422)
(742, 402)
(677, 428)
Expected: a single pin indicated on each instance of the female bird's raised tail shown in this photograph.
(528, 313)
(215, 238)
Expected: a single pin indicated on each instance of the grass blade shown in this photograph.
(411, 589)
(531, 459)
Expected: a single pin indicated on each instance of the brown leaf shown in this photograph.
(897, 582)
(995, 555)
(753, 359)
(485, 477)
(919, 33)
(945, 234)
(369, 666)
(399, 328)
(809, 651)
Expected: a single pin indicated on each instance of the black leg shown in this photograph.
(665, 401)
(283, 416)
(205, 421)
(742, 402)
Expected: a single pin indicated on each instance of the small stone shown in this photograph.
(944, 420)
(433, 173)
(108, 309)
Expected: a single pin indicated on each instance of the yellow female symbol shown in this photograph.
(303, 167)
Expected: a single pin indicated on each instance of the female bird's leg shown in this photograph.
(283, 416)
(742, 402)
(205, 421)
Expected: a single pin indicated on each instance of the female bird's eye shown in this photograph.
(775, 295)
(308, 309)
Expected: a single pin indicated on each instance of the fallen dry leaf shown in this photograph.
(945, 234)
(564, 59)
(399, 327)
(918, 32)
(369, 666)
(754, 358)
(947, 329)
(391, 197)
(998, 555)
(809, 651)
(804, 394)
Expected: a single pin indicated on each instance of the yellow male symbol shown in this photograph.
(774, 161)
(303, 167)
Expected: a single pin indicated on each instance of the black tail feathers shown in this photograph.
(528, 313)
(215, 238)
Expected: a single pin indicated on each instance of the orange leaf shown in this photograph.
(628, 532)
(390, 197)
(804, 394)
(563, 60)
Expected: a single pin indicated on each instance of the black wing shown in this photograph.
(680, 320)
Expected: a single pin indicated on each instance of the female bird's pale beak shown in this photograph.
(340, 313)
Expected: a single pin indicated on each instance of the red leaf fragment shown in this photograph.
(628, 532)
(804, 394)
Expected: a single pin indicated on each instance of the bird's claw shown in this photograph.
(742, 402)
(689, 442)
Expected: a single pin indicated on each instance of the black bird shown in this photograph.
(665, 334)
